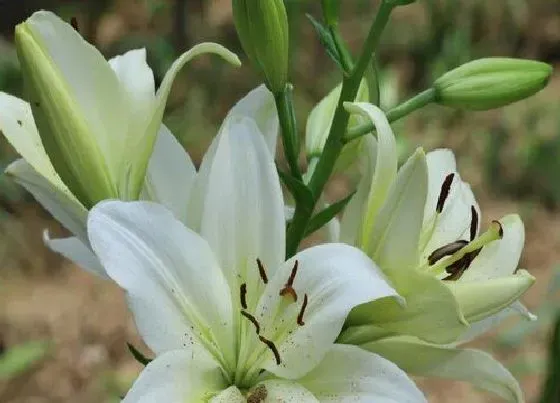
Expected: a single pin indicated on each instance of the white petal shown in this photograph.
(177, 292)
(76, 251)
(259, 105)
(137, 83)
(243, 216)
(284, 392)
(499, 258)
(353, 217)
(385, 164)
(63, 206)
(146, 143)
(350, 374)
(474, 366)
(335, 277)
(18, 126)
(396, 233)
(175, 377)
(90, 81)
(170, 175)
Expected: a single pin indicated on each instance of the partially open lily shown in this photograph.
(123, 139)
(228, 319)
(90, 128)
(420, 224)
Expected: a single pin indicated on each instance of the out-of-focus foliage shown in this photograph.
(18, 359)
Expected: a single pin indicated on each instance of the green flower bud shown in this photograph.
(491, 83)
(262, 26)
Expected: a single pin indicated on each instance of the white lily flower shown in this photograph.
(420, 224)
(170, 172)
(98, 121)
(228, 319)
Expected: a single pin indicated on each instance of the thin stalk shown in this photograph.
(334, 143)
(290, 140)
(345, 56)
(398, 112)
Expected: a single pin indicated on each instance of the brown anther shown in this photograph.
(500, 228)
(262, 271)
(301, 312)
(444, 192)
(243, 295)
(292, 275)
(258, 395)
(457, 269)
(253, 320)
(474, 222)
(272, 348)
(74, 23)
(446, 250)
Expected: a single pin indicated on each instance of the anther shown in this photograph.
(74, 23)
(446, 250)
(500, 228)
(272, 348)
(253, 320)
(288, 287)
(243, 295)
(262, 271)
(301, 312)
(474, 222)
(258, 395)
(457, 269)
(444, 192)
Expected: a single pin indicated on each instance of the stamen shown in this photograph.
(300, 315)
(74, 23)
(446, 250)
(444, 192)
(262, 271)
(292, 275)
(474, 222)
(253, 320)
(500, 228)
(258, 395)
(457, 269)
(243, 295)
(272, 348)
(289, 291)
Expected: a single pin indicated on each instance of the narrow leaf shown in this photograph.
(324, 216)
(326, 40)
(298, 189)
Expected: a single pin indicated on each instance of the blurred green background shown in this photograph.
(63, 333)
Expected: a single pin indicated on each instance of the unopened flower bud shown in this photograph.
(491, 83)
(262, 27)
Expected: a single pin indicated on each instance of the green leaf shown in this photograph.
(327, 41)
(138, 356)
(298, 189)
(18, 359)
(324, 216)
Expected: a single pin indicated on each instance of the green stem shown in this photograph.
(407, 107)
(290, 140)
(551, 387)
(334, 143)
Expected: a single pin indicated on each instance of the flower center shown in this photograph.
(453, 259)
(263, 330)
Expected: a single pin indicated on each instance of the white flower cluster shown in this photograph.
(406, 278)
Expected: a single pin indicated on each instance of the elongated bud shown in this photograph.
(491, 83)
(331, 10)
(262, 27)
(320, 119)
(63, 126)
